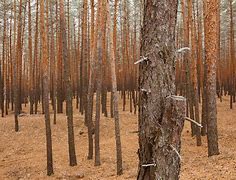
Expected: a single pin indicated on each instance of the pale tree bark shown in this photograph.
(211, 43)
(161, 114)
(115, 92)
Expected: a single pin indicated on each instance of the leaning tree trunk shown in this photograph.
(161, 116)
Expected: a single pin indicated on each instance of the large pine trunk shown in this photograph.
(161, 114)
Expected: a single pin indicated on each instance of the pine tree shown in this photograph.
(45, 76)
(161, 114)
(211, 43)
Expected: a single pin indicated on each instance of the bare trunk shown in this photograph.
(211, 43)
(46, 90)
(67, 79)
(161, 114)
(115, 92)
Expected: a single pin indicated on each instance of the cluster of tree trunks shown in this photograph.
(59, 63)
(197, 75)
(51, 55)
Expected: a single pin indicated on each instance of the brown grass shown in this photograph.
(22, 155)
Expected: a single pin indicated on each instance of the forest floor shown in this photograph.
(22, 154)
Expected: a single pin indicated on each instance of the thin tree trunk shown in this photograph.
(46, 90)
(67, 79)
(53, 67)
(30, 59)
(194, 71)
(115, 92)
(211, 41)
(16, 68)
(91, 82)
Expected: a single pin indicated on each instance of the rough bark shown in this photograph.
(161, 115)
(211, 43)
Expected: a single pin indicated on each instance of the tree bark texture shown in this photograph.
(211, 43)
(161, 114)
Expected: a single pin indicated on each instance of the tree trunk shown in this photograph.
(35, 67)
(211, 43)
(30, 59)
(53, 67)
(194, 71)
(84, 61)
(16, 68)
(46, 90)
(115, 94)
(100, 30)
(67, 79)
(161, 115)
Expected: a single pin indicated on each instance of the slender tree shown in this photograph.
(18, 59)
(67, 79)
(211, 43)
(91, 81)
(115, 92)
(232, 56)
(194, 70)
(45, 75)
(101, 29)
(84, 60)
(30, 59)
(53, 67)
